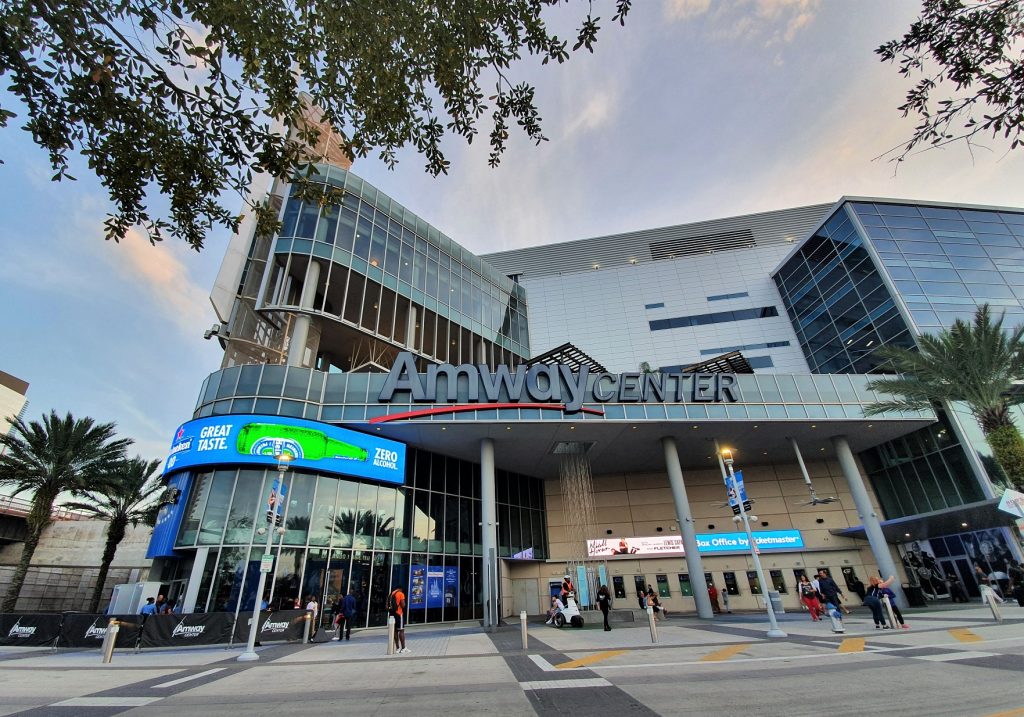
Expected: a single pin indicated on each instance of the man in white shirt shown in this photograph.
(313, 607)
(556, 607)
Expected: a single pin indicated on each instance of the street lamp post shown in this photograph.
(773, 629)
(250, 649)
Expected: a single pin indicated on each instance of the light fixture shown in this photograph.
(373, 262)
(597, 266)
(849, 341)
(572, 428)
(632, 261)
(963, 525)
(813, 425)
(822, 449)
(444, 428)
(727, 455)
(508, 428)
(906, 535)
(695, 427)
(869, 343)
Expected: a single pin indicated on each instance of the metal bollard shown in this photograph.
(522, 627)
(888, 611)
(391, 635)
(305, 630)
(650, 621)
(109, 640)
(989, 595)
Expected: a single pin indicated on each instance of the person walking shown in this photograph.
(809, 597)
(604, 601)
(396, 609)
(713, 595)
(887, 592)
(348, 614)
(830, 591)
(725, 600)
(641, 598)
(873, 601)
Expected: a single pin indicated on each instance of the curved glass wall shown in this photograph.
(390, 273)
(342, 535)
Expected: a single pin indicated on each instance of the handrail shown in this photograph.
(10, 505)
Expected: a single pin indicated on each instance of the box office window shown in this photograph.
(685, 587)
(663, 588)
(640, 584)
(731, 585)
(778, 581)
(754, 582)
(619, 586)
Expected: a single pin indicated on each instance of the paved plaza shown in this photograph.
(949, 662)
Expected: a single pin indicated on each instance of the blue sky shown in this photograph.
(696, 109)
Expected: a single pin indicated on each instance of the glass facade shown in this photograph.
(838, 302)
(946, 261)
(342, 535)
(943, 262)
(385, 265)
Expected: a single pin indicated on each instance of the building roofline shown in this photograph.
(14, 383)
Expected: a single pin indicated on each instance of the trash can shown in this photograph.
(776, 599)
(915, 596)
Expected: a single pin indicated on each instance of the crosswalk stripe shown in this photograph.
(562, 684)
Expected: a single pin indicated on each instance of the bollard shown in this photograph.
(305, 630)
(888, 611)
(391, 635)
(109, 640)
(989, 595)
(650, 621)
(522, 627)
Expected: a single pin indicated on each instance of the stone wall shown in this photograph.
(65, 566)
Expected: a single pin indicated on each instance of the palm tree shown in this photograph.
(124, 496)
(48, 458)
(976, 364)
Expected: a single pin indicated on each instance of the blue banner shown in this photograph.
(249, 439)
(582, 589)
(765, 540)
(733, 502)
(168, 518)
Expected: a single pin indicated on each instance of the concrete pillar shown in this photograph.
(300, 331)
(410, 329)
(488, 530)
(872, 526)
(194, 579)
(686, 528)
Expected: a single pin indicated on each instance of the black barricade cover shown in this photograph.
(29, 629)
(86, 629)
(210, 628)
(275, 626)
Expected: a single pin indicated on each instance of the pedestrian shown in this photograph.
(313, 607)
(1017, 582)
(655, 604)
(873, 601)
(725, 600)
(641, 598)
(568, 589)
(161, 601)
(713, 595)
(149, 608)
(830, 591)
(396, 609)
(809, 596)
(348, 614)
(887, 592)
(556, 607)
(168, 607)
(604, 601)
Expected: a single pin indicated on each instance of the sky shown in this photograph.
(695, 110)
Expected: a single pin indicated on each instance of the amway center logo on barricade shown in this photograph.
(186, 631)
(19, 630)
(270, 626)
(99, 631)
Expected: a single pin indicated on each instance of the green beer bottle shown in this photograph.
(272, 439)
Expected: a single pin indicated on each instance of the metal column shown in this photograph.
(300, 332)
(872, 526)
(488, 530)
(686, 528)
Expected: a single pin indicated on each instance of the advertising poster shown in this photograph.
(168, 518)
(257, 440)
(434, 586)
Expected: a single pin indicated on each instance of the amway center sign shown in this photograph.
(550, 383)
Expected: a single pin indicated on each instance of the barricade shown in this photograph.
(212, 628)
(83, 629)
(274, 626)
(29, 629)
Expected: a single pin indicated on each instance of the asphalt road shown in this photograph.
(948, 663)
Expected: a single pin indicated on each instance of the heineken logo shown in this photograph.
(555, 383)
(270, 446)
(21, 631)
(187, 631)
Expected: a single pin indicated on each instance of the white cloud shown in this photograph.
(685, 9)
(776, 21)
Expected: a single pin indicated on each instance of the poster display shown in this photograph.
(434, 586)
(212, 628)
(707, 543)
(254, 439)
(274, 626)
(29, 629)
(89, 629)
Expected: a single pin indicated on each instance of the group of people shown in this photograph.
(649, 599)
(821, 593)
(160, 606)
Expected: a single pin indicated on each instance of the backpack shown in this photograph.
(392, 604)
